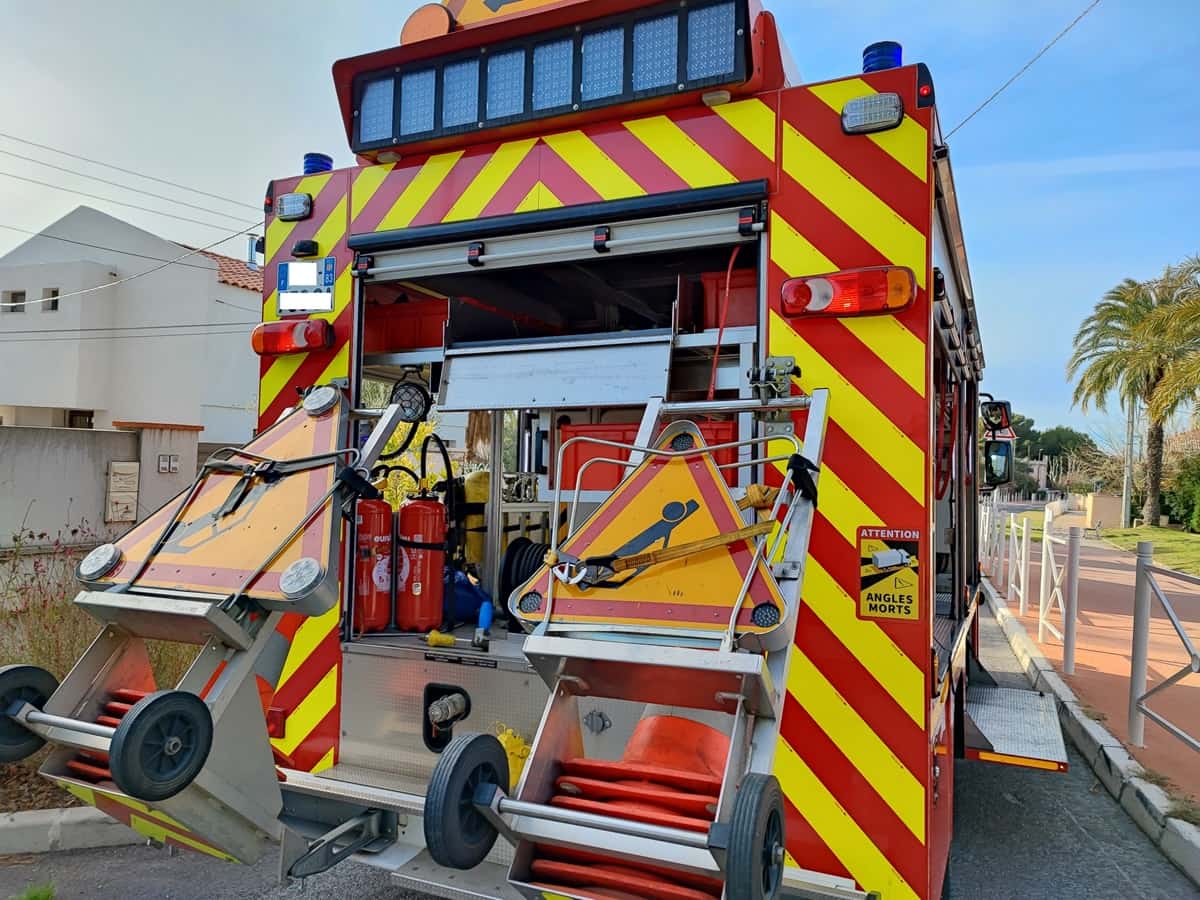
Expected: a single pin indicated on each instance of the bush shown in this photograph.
(1182, 500)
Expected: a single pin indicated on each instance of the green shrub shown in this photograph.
(1182, 500)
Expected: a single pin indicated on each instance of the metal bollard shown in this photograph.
(1044, 584)
(1024, 565)
(1070, 613)
(1141, 642)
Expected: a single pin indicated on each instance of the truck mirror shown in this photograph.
(996, 414)
(997, 463)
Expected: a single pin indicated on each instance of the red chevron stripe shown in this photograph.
(870, 481)
(637, 160)
(865, 695)
(393, 185)
(724, 143)
(323, 204)
(840, 243)
(324, 657)
(861, 801)
(454, 185)
(806, 845)
(567, 184)
(869, 163)
(319, 741)
(516, 188)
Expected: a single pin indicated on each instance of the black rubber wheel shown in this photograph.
(456, 833)
(754, 863)
(21, 684)
(161, 745)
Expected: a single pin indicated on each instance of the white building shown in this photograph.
(168, 347)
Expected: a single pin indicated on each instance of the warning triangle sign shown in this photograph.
(665, 502)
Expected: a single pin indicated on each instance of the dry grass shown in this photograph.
(1092, 713)
(1158, 779)
(1186, 809)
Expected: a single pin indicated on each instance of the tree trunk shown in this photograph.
(1154, 463)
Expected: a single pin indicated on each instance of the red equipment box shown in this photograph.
(743, 298)
(603, 476)
(404, 326)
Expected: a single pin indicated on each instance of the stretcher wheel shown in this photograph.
(754, 861)
(21, 684)
(161, 745)
(456, 833)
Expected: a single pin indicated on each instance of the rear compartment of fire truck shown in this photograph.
(534, 339)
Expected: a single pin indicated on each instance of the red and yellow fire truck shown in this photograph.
(699, 622)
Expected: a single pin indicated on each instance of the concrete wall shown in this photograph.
(156, 488)
(54, 479)
(1103, 510)
(147, 367)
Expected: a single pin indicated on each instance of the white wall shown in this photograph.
(168, 374)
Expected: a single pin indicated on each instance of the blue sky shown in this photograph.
(1086, 171)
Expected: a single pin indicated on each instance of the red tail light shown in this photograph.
(854, 292)
(279, 338)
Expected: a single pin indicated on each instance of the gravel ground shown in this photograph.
(22, 788)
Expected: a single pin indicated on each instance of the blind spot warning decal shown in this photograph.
(889, 573)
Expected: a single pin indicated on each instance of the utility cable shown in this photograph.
(117, 184)
(6, 333)
(157, 212)
(55, 237)
(136, 275)
(117, 337)
(1000, 90)
(96, 162)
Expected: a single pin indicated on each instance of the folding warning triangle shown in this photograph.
(664, 502)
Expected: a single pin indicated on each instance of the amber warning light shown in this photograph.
(280, 338)
(854, 292)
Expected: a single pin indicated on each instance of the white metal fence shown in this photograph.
(1059, 590)
(1018, 561)
(1144, 586)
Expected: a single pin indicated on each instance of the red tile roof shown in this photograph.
(233, 271)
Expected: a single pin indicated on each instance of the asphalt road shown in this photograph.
(1019, 835)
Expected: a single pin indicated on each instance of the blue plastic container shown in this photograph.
(882, 55)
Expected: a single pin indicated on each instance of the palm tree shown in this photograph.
(1180, 322)
(1123, 348)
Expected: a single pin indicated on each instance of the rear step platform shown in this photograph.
(1014, 727)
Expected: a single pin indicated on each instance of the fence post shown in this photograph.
(1012, 556)
(1072, 601)
(1141, 639)
(1024, 565)
(1044, 582)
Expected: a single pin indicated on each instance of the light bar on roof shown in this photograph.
(665, 49)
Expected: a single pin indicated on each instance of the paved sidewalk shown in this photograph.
(1102, 654)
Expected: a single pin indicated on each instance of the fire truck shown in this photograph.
(702, 621)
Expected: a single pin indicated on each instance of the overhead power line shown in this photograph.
(55, 237)
(1021, 71)
(157, 212)
(96, 162)
(7, 333)
(117, 337)
(135, 275)
(124, 187)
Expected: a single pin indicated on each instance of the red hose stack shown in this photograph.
(92, 765)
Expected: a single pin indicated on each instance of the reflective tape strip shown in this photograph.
(876, 222)
(865, 750)
(368, 182)
(753, 120)
(319, 702)
(868, 865)
(308, 637)
(593, 165)
(278, 230)
(673, 146)
(495, 172)
(418, 191)
(904, 143)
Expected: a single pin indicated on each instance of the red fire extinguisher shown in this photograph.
(421, 537)
(373, 571)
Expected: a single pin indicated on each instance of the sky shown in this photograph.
(1084, 172)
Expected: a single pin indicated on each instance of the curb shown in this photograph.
(72, 828)
(1147, 804)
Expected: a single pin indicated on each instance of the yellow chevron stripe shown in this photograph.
(862, 420)
(339, 367)
(308, 714)
(539, 197)
(876, 222)
(895, 345)
(158, 832)
(277, 378)
(906, 143)
(850, 844)
(887, 663)
(333, 229)
(324, 762)
(418, 191)
(307, 638)
(870, 755)
(840, 505)
(679, 152)
(369, 181)
(593, 165)
(87, 795)
(495, 172)
(277, 230)
(753, 120)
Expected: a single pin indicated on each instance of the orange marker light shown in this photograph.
(280, 338)
(854, 292)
